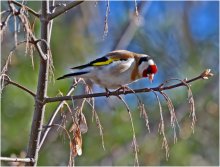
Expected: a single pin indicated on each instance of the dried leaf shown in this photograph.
(76, 143)
(73, 128)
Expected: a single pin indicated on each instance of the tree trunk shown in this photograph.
(37, 122)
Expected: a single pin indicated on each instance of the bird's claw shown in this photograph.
(123, 88)
(107, 92)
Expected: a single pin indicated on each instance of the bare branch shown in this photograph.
(26, 8)
(23, 18)
(4, 11)
(64, 9)
(5, 22)
(30, 34)
(9, 81)
(116, 93)
(17, 159)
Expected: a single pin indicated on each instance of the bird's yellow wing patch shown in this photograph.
(101, 63)
(106, 62)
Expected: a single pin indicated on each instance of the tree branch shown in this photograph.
(24, 20)
(204, 75)
(27, 8)
(63, 9)
(37, 121)
(8, 81)
(16, 159)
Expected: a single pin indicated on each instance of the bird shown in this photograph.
(116, 69)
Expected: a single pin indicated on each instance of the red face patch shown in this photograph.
(152, 69)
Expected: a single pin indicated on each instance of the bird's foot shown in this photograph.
(123, 89)
(107, 92)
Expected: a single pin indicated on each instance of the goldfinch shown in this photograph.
(116, 69)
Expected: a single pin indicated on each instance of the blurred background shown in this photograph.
(183, 39)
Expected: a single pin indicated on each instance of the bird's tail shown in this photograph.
(72, 75)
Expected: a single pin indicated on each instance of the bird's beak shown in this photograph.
(151, 77)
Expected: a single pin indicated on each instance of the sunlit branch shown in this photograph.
(10, 159)
(204, 75)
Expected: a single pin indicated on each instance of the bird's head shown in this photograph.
(147, 67)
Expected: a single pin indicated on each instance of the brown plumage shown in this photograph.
(116, 69)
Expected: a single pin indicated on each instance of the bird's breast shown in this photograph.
(112, 78)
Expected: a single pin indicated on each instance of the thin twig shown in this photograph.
(116, 93)
(45, 133)
(133, 131)
(15, 31)
(204, 75)
(26, 8)
(10, 159)
(63, 9)
(5, 22)
(161, 127)
(141, 107)
(173, 118)
(98, 122)
(20, 14)
(71, 159)
(106, 19)
(4, 11)
(9, 81)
